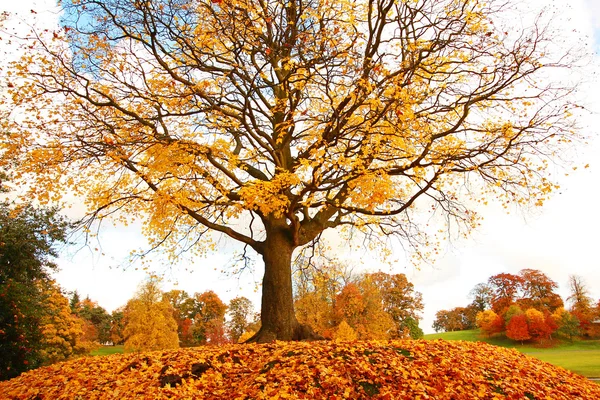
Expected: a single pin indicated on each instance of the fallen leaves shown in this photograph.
(402, 369)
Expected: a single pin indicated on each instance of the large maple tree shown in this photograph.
(272, 121)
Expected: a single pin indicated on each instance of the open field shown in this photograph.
(106, 350)
(582, 357)
(583, 362)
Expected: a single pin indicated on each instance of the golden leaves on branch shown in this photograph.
(269, 197)
(366, 106)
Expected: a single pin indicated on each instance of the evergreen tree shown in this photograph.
(28, 244)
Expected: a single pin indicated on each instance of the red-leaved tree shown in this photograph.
(517, 328)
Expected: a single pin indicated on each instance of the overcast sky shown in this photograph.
(560, 239)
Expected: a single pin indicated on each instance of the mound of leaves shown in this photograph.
(308, 370)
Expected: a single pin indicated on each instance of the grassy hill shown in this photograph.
(581, 356)
(402, 369)
(107, 350)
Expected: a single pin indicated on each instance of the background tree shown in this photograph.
(513, 310)
(517, 328)
(579, 296)
(117, 326)
(360, 305)
(538, 291)
(184, 309)
(482, 295)
(344, 332)
(506, 291)
(411, 329)
(149, 322)
(440, 323)
(29, 238)
(62, 331)
(350, 307)
(240, 311)
(316, 289)
(551, 323)
(94, 316)
(343, 114)
(375, 305)
(74, 302)
(209, 320)
(538, 328)
(581, 305)
(456, 319)
(399, 298)
(489, 322)
(568, 324)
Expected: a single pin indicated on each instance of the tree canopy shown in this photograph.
(374, 305)
(271, 122)
(28, 244)
(149, 321)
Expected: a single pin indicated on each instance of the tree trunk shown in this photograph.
(278, 319)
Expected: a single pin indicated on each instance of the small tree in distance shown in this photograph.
(490, 322)
(209, 320)
(272, 122)
(149, 322)
(568, 324)
(344, 332)
(240, 310)
(538, 328)
(517, 328)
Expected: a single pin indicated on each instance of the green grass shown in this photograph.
(106, 350)
(581, 356)
(583, 362)
(469, 336)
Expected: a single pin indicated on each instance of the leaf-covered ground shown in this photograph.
(307, 370)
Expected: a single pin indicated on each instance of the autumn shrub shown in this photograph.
(62, 332)
(344, 332)
(568, 324)
(513, 310)
(86, 347)
(538, 328)
(489, 322)
(550, 322)
(517, 328)
(398, 369)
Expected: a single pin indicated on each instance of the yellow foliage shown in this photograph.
(534, 315)
(245, 336)
(150, 327)
(488, 321)
(149, 321)
(269, 197)
(61, 331)
(344, 332)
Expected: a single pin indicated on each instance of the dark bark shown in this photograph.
(278, 317)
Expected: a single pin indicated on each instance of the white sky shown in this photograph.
(560, 239)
